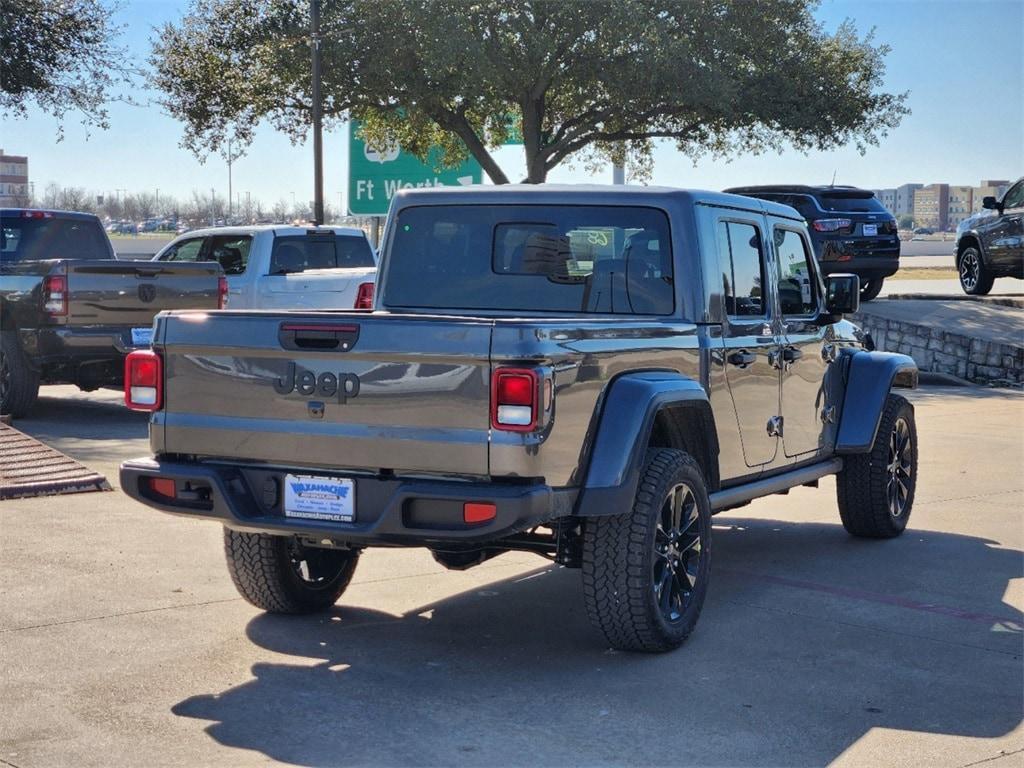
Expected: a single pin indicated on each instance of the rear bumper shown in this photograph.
(387, 511)
(873, 267)
(77, 344)
(869, 257)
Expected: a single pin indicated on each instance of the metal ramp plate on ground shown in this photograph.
(30, 468)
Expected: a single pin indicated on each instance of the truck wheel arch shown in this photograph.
(643, 410)
(869, 378)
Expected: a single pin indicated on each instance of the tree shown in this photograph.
(587, 81)
(61, 55)
(906, 221)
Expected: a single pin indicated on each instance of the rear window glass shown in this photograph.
(849, 204)
(26, 239)
(304, 252)
(591, 259)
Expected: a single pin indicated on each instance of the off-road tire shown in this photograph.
(983, 279)
(863, 486)
(619, 560)
(261, 568)
(20, 388)
(871, 288)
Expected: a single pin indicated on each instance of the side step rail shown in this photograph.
(741, 494)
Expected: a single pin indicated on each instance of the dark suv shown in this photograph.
(851, 230)
(991, 245)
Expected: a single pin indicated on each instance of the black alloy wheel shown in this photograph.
(900, 468)
(677, 551)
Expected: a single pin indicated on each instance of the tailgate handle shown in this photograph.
(318, 336)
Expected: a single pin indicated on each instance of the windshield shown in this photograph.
(53, 237)
(851, 203)
(531, 258)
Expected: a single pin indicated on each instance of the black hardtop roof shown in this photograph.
(826, 190)
(15, 213)
(583, 194)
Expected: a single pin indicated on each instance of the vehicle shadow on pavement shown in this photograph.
(809, 640)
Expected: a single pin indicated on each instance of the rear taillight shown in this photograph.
(833, 225)
(222, 292)
(55, 295)
(143, 380)
(364, 298)
(514, 393)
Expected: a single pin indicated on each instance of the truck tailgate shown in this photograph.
(130, 293)
(330, 389)
(314, 288)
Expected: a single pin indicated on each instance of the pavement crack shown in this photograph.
(117, 615)
(1000, 756)
(9, 763)
(968, 498)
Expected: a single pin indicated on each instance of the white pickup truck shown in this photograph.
(284, 267)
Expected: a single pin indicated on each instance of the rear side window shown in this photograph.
(796, 280)
(741, 254)
(52, 237)
(231, 252)
(847, 203)
(532, 258)
(304, 252)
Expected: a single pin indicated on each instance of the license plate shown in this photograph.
(142, 337)
(870, 229)
(319, 498)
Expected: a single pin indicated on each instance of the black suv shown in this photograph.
(851, 230)
(991, 245)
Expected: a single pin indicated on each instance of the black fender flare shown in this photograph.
(626, 420)
(869, 378)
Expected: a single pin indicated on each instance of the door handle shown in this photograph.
(791, 354)
(742, 359)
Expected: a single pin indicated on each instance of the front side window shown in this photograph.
(231, 252)
(1015, 197)
(591, 259)
(186, 250)
(742, 258)
(796, 278)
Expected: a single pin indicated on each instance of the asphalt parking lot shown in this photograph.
(123, 642)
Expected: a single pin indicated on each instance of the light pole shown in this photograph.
(318, 138)
(229, 178)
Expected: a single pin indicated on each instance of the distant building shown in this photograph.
(958, 206)
(904, 205)
(887, 197)
(13, 180)
(931, 206)
(988, 188)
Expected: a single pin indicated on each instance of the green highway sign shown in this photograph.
(375, 175)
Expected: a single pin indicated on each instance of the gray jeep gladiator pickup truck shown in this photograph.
(70, 312)
(587, 373)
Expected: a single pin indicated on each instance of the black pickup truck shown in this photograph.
(584, 373)
(70, 312)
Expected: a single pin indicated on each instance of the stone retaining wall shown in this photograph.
(939, 351)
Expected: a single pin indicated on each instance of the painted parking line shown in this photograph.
(1005, 623)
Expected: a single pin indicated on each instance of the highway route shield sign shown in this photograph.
(375, 174)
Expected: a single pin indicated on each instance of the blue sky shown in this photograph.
(963, 63)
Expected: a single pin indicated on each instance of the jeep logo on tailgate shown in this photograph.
(307, 383)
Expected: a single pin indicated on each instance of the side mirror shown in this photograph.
(842, 295)
(990, 203)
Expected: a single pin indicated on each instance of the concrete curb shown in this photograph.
(1002, 301)
(947, 353)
